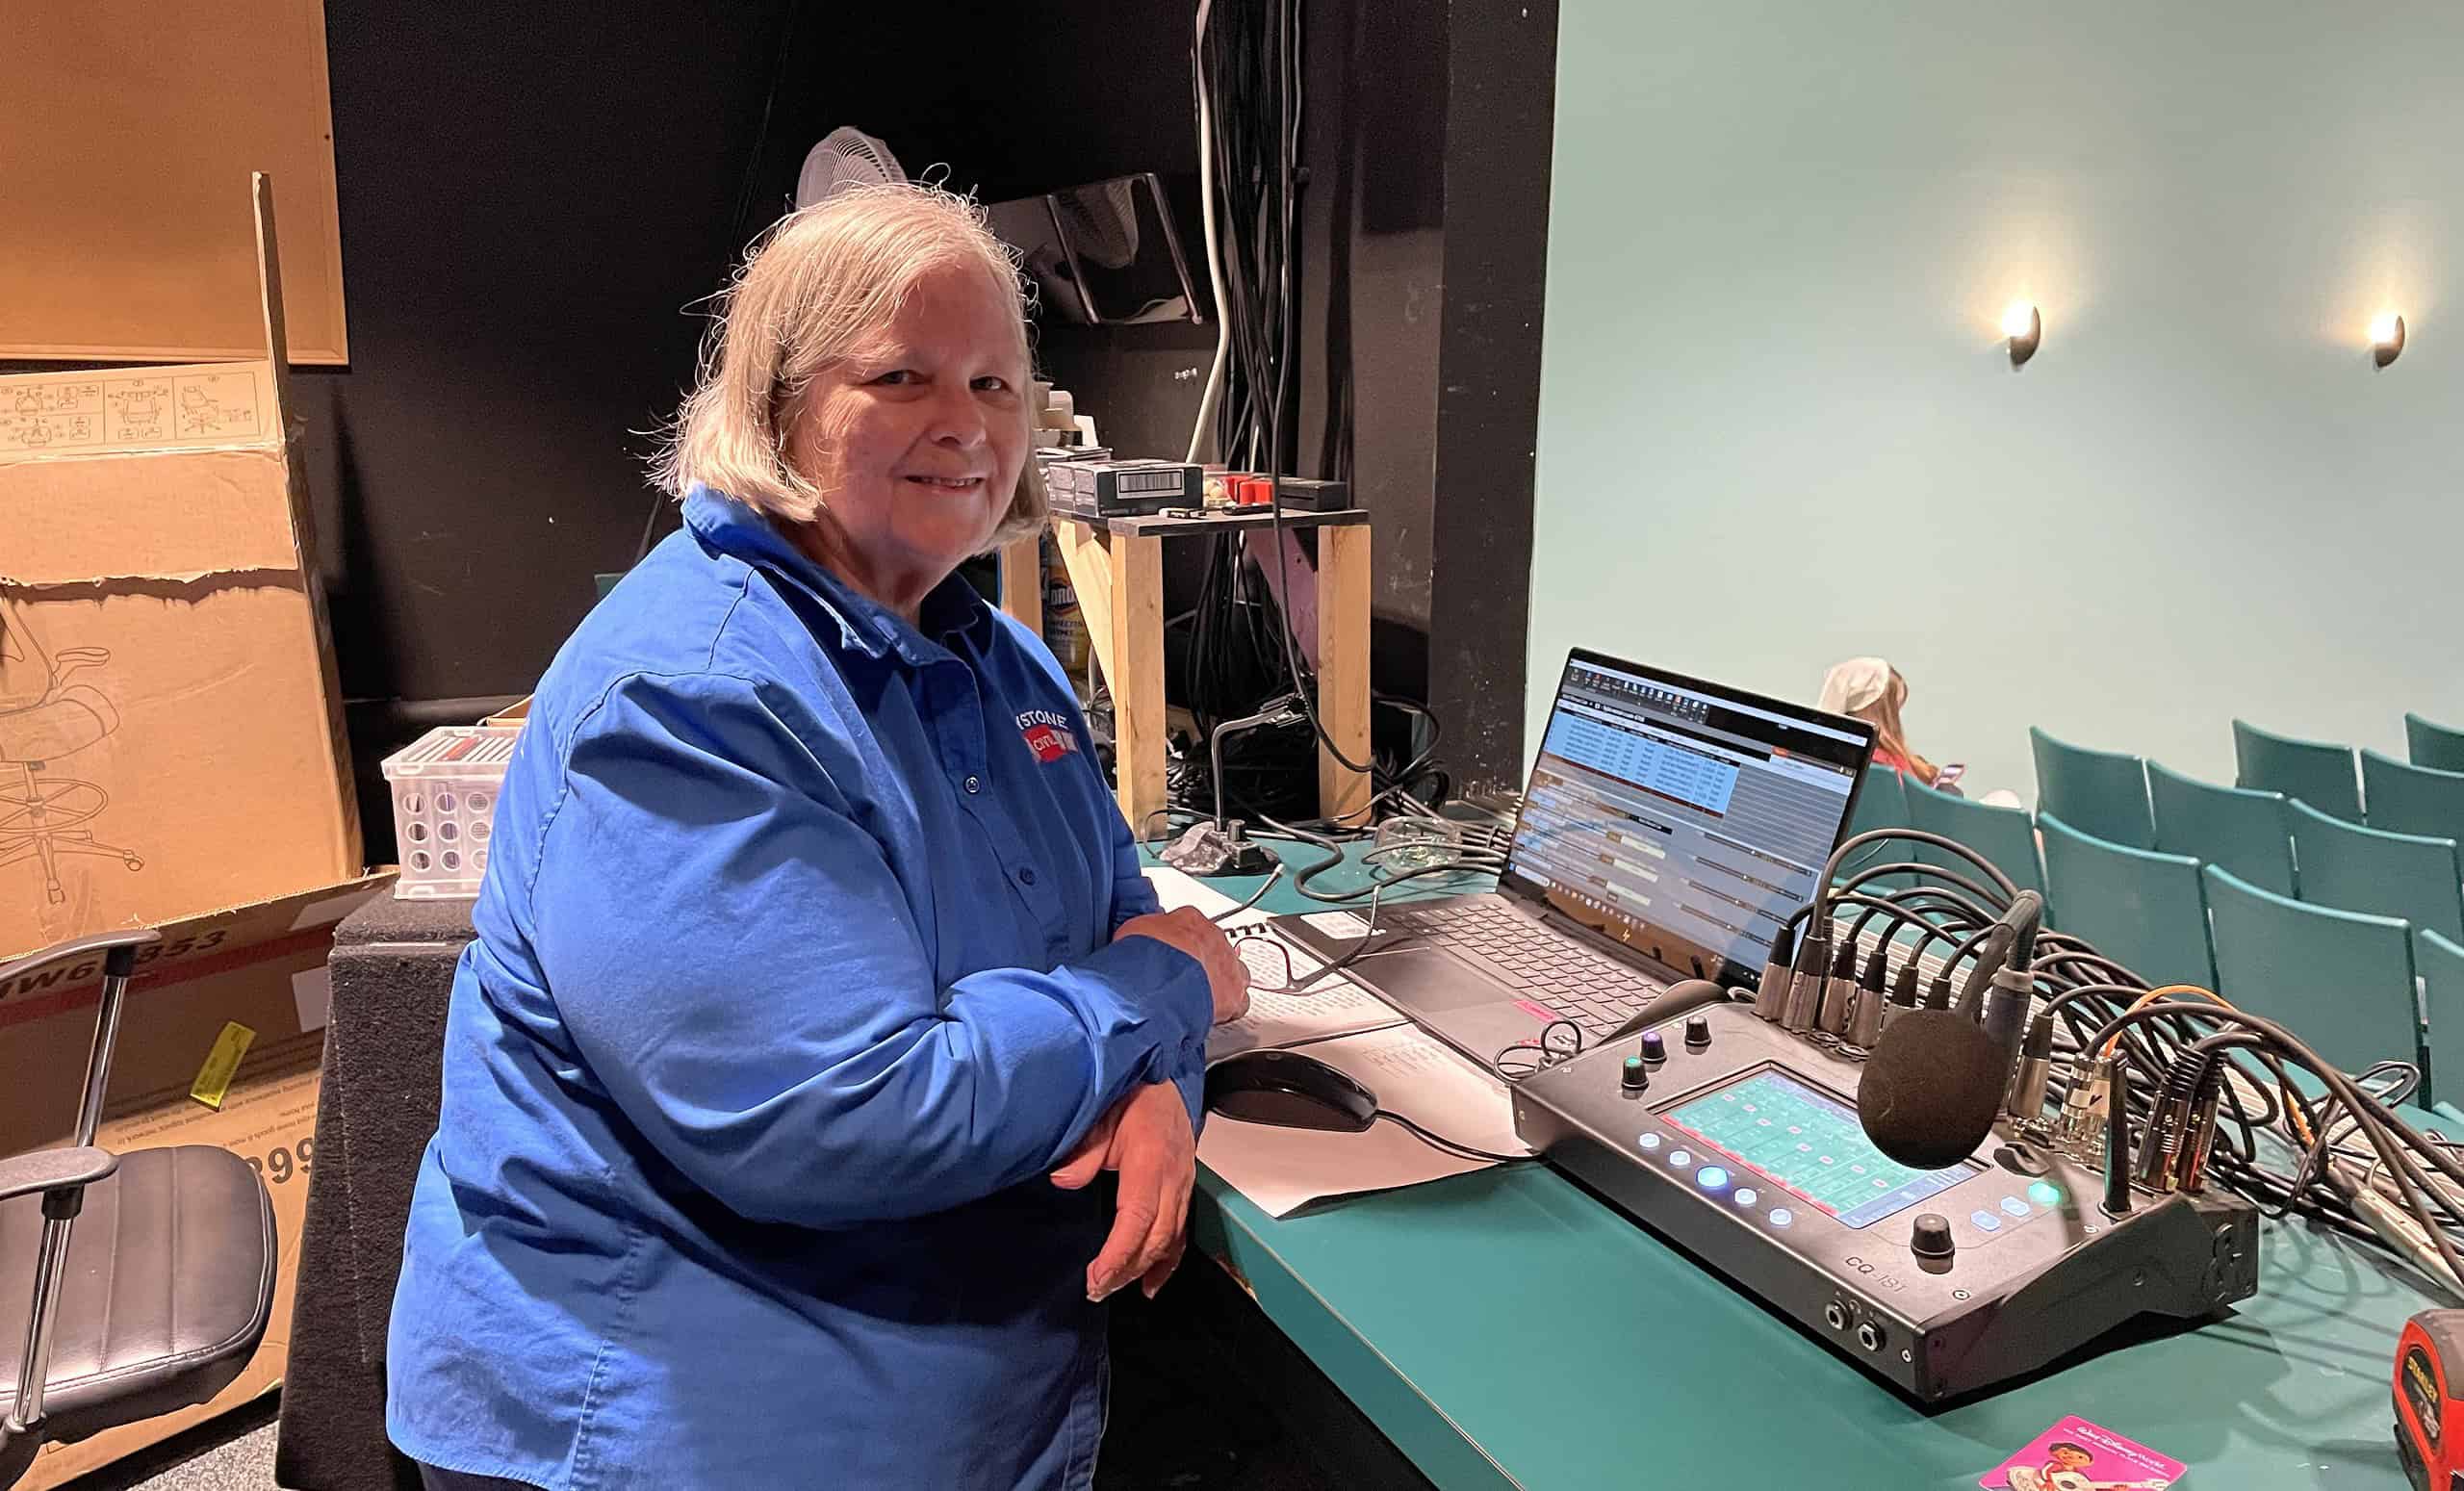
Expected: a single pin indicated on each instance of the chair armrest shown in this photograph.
(75, 660)
(55, 1170)
(58, 952)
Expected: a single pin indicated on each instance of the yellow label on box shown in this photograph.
(221, 1064)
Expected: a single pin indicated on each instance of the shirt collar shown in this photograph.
(864, 625)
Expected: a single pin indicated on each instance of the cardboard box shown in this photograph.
(261, 966)
(170, 720)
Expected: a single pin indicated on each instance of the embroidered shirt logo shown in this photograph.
(1047, 735)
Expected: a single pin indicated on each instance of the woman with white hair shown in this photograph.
(815, 975)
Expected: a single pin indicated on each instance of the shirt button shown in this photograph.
(1026, 876)
(975, 784)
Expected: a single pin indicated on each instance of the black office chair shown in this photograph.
(159, 1297)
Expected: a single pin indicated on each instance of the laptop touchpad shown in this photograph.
(1426, 979)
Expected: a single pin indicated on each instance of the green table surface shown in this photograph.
(1506, 1328)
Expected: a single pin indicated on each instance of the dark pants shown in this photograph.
(435, 1480)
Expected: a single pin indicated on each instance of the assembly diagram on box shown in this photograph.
(133, 411)
(47, 714)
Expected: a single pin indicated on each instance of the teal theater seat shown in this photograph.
(2244, 830)
(2417, 800)
(2342, 981)
(2004, 836)
(2099, 793)
(1882, 803)
(2144, 910)
(2362, 869)
(2440, 962)
(2435, 746)
(2319, 774)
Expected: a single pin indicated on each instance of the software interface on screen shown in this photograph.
(1685, 823)
(1783, 1131)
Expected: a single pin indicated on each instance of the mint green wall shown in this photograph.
(1777, 428)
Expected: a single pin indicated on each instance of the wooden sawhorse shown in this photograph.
(1116, 567)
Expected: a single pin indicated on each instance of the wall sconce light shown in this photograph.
(2022, 328)
(2386, 338)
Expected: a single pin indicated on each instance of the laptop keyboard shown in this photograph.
(1592, 989)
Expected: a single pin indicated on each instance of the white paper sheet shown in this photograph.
(1333, 1006)
(1176, 890)
(1342, 924)
(1283, 1170)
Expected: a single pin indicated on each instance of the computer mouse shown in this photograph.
(1289, 1091)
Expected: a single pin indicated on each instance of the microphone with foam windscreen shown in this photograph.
(1934, 1086)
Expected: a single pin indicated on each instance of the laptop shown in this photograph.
(1669, 827)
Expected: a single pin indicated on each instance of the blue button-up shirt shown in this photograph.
(794, 978)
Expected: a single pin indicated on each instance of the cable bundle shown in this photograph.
(2201, 1091)
(1250, 81)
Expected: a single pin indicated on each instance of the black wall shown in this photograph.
(533, 198)
(530, 196)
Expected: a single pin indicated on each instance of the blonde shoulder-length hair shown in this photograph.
(819, 284)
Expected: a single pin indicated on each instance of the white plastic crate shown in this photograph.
(444, 801)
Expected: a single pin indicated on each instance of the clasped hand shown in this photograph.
(1146, 1137)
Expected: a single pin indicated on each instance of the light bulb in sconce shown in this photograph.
(2022, 328)
(2386, 338)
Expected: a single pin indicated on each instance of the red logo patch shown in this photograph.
(1049, 744)
(1047, 735)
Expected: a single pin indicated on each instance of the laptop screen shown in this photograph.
(1685, 819)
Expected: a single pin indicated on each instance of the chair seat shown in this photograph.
(68, 721)
(168, 1290)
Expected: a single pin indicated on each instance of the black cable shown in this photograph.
(2072, 995)
(1444, 1146)
(1255, 896)
(1831, 866)
(1991, 944)
(2168, 1031)
(1875, 838)
(1877, 905)
(1335, 856)
(2064, 957)
(1911, 866)
(2395, 1141)
(1252, 62)
(1260, 194)
(1545, 1055)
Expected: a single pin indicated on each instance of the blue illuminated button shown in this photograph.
(1710, 1178)
(1680, 1158)
(2045, 1193)
(1782, 1217)
(1986, 1221)
(1648, 1140)
(2016, 1207)
(1746, 1195)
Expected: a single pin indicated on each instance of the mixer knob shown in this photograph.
(1698, 1033)
(1932, 1237)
